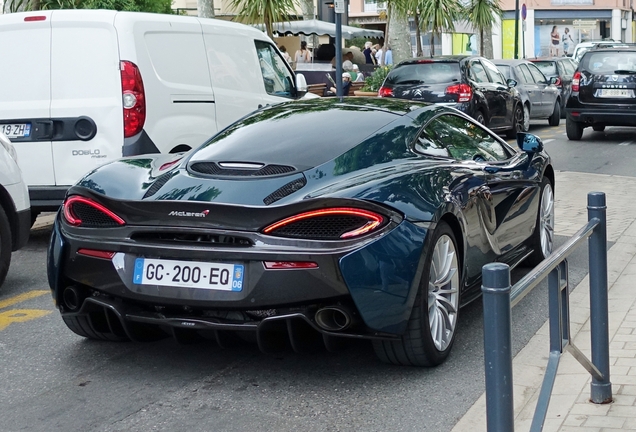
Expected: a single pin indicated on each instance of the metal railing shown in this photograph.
(499, 297)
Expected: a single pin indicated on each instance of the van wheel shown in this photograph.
(573, 129)
(555, 118)
(431, 328)
(5, 245)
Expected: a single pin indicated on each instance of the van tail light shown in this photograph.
(84, 212)
(464, 92)
(336, 223)
(576, 81)
(385, 92)
(134, 99)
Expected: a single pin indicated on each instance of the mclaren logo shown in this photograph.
(202, 214)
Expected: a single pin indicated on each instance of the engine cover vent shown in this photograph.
(214, 169)
(283, 191)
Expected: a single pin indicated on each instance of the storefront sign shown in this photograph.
(584, 24)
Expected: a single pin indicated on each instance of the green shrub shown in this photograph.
(373, 82)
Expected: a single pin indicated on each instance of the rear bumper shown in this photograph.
(601, 117)
(47, 198)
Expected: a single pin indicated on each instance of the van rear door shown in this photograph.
(25, 92)
(86, 95)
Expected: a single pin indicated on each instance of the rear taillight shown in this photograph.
(35, 18)
(84, 212)
(385, 92)
(327, 224)
(576, 81)
(558, 82)
(134, 99)
(463, 91)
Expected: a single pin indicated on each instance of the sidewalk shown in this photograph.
(570, 410)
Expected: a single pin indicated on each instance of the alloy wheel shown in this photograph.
(443, 292)
(526, 119)
(519, 120)
(546, 220)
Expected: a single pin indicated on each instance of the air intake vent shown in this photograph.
(92, 217)
(322, 228)
(288, 189)
(158, 184)
(213, 169)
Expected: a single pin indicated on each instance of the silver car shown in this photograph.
(541, 98)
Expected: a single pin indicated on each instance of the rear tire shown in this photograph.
(598, 128)
(6, 245)
(555, 118)
(431, 328)
(517, 123)
(479, 116)
(573, 129)
(542, 240)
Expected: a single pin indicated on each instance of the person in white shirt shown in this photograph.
(378, 55)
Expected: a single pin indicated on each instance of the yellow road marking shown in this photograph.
(19, 316)
(22, 297)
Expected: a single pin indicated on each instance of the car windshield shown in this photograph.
(428, 73)
(505, 69)
(547, 67)
(609, 62)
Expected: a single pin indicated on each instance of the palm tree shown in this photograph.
(397, 34)
(263, 11)
(439, 16)
(481, 15)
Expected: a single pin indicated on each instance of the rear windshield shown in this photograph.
(609, 62)
(424, 73)
(505, 69)
(547, 67)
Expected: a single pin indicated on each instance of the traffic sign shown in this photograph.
(584, 24)
(339, 6)
(524, 12)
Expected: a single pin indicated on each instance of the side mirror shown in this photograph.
(553, 80)
(529, 143)
(301, 85)
(511, 83)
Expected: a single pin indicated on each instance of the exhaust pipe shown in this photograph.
(333, 318)
(73, 298)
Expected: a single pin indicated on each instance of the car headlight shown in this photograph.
(6, 143)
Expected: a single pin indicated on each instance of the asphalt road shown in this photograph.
(54, 380)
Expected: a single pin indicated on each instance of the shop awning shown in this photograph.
(320, 28)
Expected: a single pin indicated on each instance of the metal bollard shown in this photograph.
(498, 347)
(601, 390)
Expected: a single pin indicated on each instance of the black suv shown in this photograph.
(603, 91)
(471, 84)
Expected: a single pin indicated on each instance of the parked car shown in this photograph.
(583, 47)
(377, 231)
(541, 99)
(561, 68)
(15, 214)
(471, 84)
(603, 91)
(143, 83)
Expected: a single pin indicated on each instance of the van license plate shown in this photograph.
(617, 93)
(16, 130)
(189, 274)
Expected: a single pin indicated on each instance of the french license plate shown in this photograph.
(189, 274)
(619, 93)
(16, 130)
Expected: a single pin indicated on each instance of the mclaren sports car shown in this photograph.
(301, 226)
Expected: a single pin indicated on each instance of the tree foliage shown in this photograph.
(263, 11)
(481, 15)
(438, 16)
(157, 6)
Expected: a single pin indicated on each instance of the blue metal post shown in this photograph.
(498, 347)
(601, 389)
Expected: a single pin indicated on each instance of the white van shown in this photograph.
(84, 87)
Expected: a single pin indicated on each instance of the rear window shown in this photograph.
(608, 62)
(547, 67)
(427, 73)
